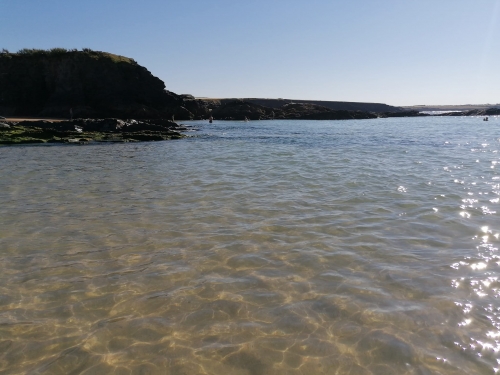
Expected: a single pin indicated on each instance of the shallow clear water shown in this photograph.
(271, 247)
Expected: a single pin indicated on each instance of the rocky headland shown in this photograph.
(87, 84)
(62, 83)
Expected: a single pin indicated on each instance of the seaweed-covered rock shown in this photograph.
(82, 131)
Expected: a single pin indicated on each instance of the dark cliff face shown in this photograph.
(333, 105)
(99, 85)
(241, 109)
(93, 84)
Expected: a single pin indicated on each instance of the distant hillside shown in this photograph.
(464, 107)
(91, 83)
(336, 106)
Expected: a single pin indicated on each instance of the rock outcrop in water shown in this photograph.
(89, 130)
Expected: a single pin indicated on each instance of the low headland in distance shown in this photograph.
(80, 96)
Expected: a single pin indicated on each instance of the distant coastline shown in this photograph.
(277, 103)
(449, 108)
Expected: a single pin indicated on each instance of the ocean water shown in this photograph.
(267, 247)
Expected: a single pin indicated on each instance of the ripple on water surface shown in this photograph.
(347, 247)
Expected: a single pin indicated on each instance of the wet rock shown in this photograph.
(82, 131)
(142, 126)
(64, 126)
(103, 125)
(42, 124)
(165, 123)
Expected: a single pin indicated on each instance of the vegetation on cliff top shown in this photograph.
(54, 52)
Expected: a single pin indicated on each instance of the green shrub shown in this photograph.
(58, 51)
(31, 51)
(97, 55)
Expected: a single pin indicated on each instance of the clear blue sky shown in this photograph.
(399, 52)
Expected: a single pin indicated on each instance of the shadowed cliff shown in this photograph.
(94, 84)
